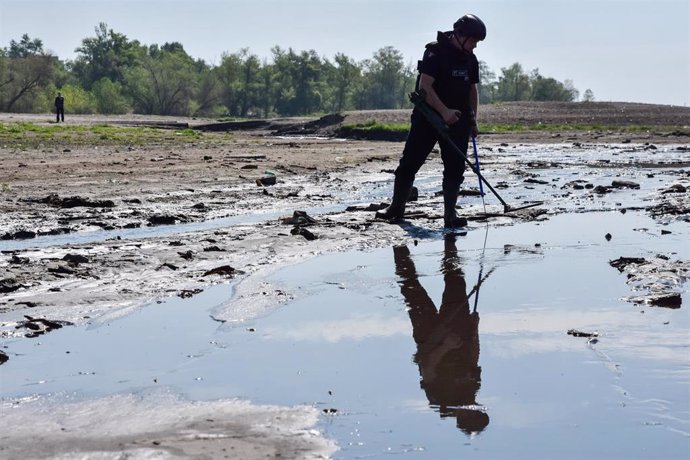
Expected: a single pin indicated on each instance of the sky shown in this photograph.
(622, 50)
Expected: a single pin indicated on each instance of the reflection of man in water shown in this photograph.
(447, 340)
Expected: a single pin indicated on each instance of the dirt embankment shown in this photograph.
(530, 121)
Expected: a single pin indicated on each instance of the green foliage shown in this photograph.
(78, 100)
(114, 75)
(109, 97)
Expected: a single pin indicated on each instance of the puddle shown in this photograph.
(402, 354)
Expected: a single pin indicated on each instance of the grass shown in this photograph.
(28, 135)
(502, 128)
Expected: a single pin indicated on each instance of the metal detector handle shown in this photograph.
(476, 161)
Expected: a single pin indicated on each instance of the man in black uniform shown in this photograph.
(448, 74)
(59, 108)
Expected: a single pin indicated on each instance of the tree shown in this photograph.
(513, 84)
(299, 82)
(162, 85)
(343, 78)
(548, 89)
(384, 75)
(107, 55)
(22, 77)
(487, 84)
(588, 96)
(109, 96)
(26, 47)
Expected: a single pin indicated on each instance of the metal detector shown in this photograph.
(418, 98)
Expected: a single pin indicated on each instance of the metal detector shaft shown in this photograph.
(418, 99)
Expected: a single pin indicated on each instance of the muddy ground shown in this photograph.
(94, 229)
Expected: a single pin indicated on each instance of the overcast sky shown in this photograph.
(623, 50)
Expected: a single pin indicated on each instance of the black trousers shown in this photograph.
(421, 140)
(59, 113)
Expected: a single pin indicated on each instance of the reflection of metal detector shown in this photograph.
(418, 98)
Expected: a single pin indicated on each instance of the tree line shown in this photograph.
(112, 74)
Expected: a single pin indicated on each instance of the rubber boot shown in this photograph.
(450, 198)
(401, 190)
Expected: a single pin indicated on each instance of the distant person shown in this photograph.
(447, 340)
(59, 108)
(448, 74)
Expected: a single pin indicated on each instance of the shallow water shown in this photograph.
(506, 382)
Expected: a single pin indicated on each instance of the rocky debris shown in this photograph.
(671, 300)
(578, 184)
(535, 181)
(74, 202)
(615, 185)
(661, 278)
(3, 357)
(187, 293)
(168, 266)
(19, 235)
(9, 285)
(577, 333)
(186, 255)
(40, 326)
(372, 207)
(299, 218)
(672, 201)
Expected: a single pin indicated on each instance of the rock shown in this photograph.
(75, 259)
(19, 235)
(187, 293)
(3, 357)
(162, 220)
(16, 260)
(670, 300)
(608, 237)
(168, 265)
(372, 207)
(9, 285)
(625, 184)
(223, 270)
(299, 218)
(675, 188)
(576, 333)
(187, 255)
(536, 181)
(74, 202)
(304, 232)
(622, 262)
(213, 249)
(601, 189)
(268, 179)
(39, 326)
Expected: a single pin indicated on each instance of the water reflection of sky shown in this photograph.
(347, 342)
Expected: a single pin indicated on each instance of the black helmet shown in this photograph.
(470, 26)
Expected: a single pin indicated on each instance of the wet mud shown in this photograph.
(257, 250)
